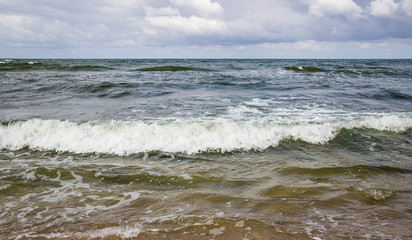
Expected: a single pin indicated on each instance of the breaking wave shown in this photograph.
(180, 136)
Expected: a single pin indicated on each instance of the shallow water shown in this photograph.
(205, 149)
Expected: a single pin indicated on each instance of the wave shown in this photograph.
(166, 69)
(395, 94)
(190, 136)
(107, 89)
(85, 68)
(305, 69)
(387, 94)
(349, 70)
(10, 65)
(21, 65)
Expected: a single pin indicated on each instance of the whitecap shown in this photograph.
(189, 136)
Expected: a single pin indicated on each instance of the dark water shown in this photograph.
(206, 149)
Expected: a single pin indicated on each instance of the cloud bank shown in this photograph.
(226, 28)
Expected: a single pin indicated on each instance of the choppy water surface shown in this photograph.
(205, 149)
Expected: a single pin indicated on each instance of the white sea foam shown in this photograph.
(122, 232)
(186, 136)
(4, 186)
(5, 61)
(258, 102)
(240, 111)
(67, 188)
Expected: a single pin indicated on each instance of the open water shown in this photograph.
(205, 149)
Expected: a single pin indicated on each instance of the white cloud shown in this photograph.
(58, 24)
(202, 7)
(306, 44)
(321, 8)
(383, 7)
(169, 21)
(27, 30)
(164, 11)
(123, 3)
(187, 25)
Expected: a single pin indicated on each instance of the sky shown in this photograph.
(205, 28)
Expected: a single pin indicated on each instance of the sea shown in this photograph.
(205, 149)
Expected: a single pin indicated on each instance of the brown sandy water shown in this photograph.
(295, 191)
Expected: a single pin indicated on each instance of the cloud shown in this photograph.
(164, 11)
(383, 7)
(321, 8)
(199, 24)
(187, 25)
(20, 30)
(202, 7)
(68, 23)
(184, 22)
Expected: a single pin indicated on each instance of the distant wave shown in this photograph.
(352, 70)
(355, 68)
(166, 69)
(21, 65)
(390, 94)
(29, 65)
(305, 69)
(180, 136)
(85, 68)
